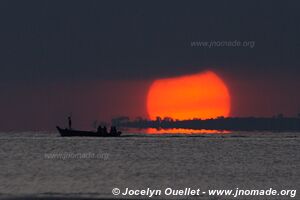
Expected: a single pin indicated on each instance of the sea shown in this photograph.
(43, 165)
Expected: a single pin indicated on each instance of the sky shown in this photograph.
(97, 59)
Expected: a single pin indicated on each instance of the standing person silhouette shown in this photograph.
(70, 122)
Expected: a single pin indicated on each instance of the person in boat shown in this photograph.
(99, 129)
(113, 130)
(104, 130)
(70, 122)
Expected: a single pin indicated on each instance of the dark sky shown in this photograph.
(97, 59)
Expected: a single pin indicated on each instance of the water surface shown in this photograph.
(35, 164)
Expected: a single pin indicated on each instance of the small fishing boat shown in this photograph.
(78, 133)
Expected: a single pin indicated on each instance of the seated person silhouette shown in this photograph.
(113, 130)
(105, 130)
(99, 129)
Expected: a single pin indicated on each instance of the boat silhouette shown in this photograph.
(67, 132)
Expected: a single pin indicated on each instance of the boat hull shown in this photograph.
(78, 133)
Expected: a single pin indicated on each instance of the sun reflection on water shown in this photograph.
(176, 131)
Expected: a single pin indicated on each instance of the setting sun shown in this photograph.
(203, 95)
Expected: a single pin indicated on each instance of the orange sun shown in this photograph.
(203, 95)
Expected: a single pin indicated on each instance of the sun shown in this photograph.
(203, 95)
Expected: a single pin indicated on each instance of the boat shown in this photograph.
(78, 133)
